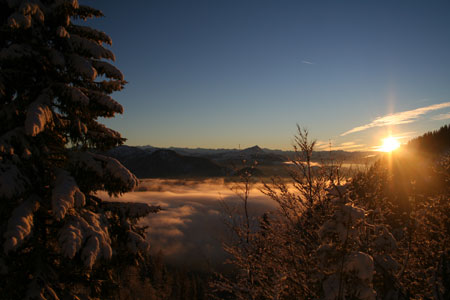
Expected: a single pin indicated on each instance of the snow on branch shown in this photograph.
(110, 103)
(93, 34)
(27, 12)
(62, 32)
(16, 51)
(71, 238)
(20, 224)
(86, 232)
(56, 58)
(18, 20)
(83, 67)
(136, 243)
(91, 48)
(100, 132)
(132, 210)
(12, 182)
(29, 8)
(107, 69)
(361, 264)
(77, 95)
(39, 289)
(106, 168)
(343, 223)
(65, 195)
(38, 115)
(115, 169)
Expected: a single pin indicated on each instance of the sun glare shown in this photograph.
(389, 144)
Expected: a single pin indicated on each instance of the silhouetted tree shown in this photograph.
(58, 239)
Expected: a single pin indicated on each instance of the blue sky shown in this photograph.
(224, 73)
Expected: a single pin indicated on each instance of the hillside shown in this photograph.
(433, 142)
(165, 163)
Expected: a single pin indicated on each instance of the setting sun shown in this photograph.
(389, 144)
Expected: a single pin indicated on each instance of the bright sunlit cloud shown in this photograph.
(403, 117)
(389, 144)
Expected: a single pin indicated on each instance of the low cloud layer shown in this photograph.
(190, 229)
(404, 117)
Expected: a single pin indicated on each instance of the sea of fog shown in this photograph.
(190, 229)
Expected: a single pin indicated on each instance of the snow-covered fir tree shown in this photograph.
(59, 241)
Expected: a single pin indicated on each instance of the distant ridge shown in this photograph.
(164, 163)
(262, 155)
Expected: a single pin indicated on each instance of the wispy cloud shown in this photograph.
(322, 145)
(442, 117)
(405, 135)
(403, 117)
(350, 147)
(307, 62)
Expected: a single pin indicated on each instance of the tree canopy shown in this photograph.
(58, 239)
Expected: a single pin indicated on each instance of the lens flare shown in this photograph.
(389, 144)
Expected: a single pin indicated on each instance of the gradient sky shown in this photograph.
(224, 73)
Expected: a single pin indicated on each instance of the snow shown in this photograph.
(386, 240)
(32, 9)
(331, 287)
(86, 232)
(56, 58)
(15, 51)
(101, 131)
(62, 32)
(358, 264)
(94, 49)
(77, 95)
(65, 195)
(361, 264)
(337, 190)
(18, 20)
(387, 262)
(81, 127)
(39, 290)
(365, 292)
(343, 222)
(105, 168)
(70, 239)
(12, 182)
(20, 224)
(38, 115)
(136, 242)
(26, 154)
(110, 103)
(107, 69)
(117, 170)
(96, 35)
(132, 210)
(98, 244)
(27, 12)
(83, 67)
(355, 213)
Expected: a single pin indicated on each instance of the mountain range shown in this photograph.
(153, 162)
